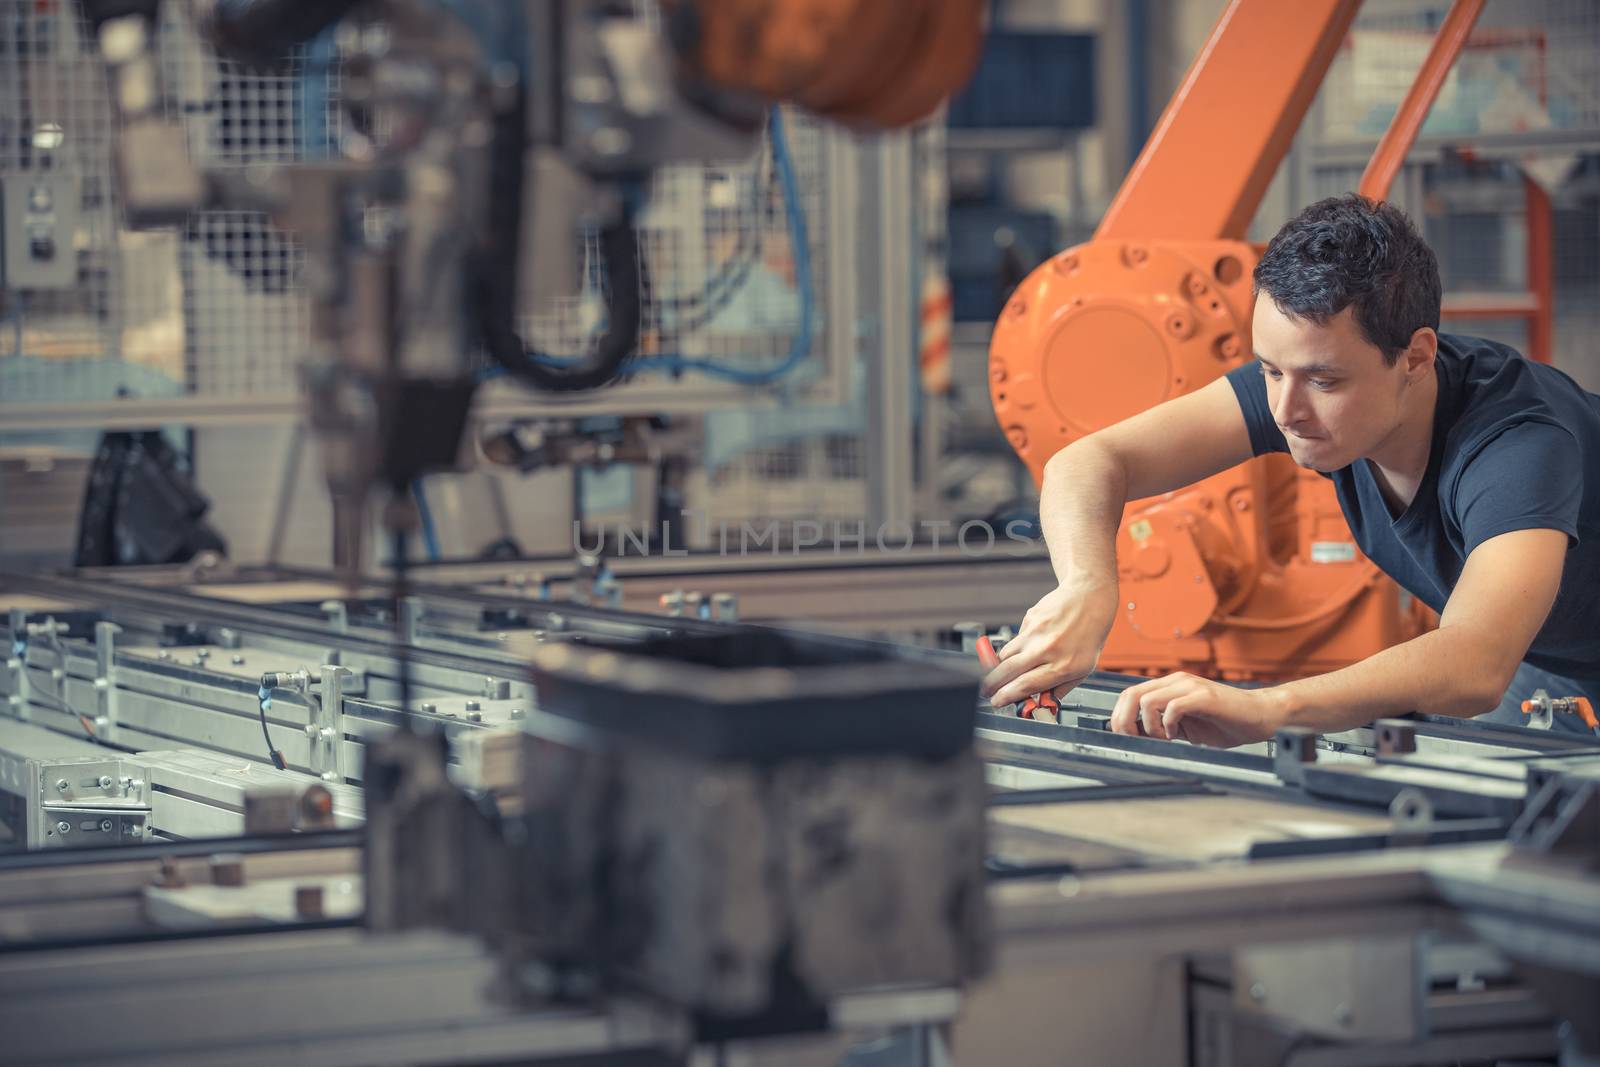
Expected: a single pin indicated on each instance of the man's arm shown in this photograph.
(1461, 669)
(1086, 486)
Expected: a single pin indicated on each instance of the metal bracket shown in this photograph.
(411, 611)
(85, 795)
(19, 702)
(105, 680)
(1293, 748)
(326, 728)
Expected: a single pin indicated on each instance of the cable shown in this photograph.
(800, 243)
(263, 702)
(799, 240)
(430, 538)
(495, 278)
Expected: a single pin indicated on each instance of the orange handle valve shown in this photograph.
(1542, 702)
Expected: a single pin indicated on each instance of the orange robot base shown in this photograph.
(1249, 574)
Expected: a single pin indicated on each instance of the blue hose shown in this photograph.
(801, 246)
(430, 537)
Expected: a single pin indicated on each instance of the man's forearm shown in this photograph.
(1080, 508)
(1444, 672)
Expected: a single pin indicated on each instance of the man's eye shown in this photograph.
(1272, 372)
(1322, 383)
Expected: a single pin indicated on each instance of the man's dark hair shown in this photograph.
(1348, 251)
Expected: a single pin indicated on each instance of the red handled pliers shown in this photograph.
(1042, 706)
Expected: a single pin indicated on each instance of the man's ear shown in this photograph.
(1419, 354)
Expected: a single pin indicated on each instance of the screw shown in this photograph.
(202, 654)
(61, 785)
(429, 708)
(63, 827)
(163, 654)
(518, 713)
(238, 661)
(105, 781)
(105, 826)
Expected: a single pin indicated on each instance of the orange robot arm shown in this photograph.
(1252, 573)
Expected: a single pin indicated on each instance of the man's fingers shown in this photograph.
(1043, 677)
(1154, 700)
(1007, 672)
(1174, 717)
(1125, 713)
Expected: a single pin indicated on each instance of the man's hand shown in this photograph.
(1058, 644)
(1181, 707)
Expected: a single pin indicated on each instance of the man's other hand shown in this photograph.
(1182, 707)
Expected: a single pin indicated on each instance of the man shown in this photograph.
(1470, 475)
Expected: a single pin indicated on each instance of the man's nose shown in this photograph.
(1287, 409)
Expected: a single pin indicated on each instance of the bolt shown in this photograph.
(472, 705)
(429, 708)
(63, 827)
(329, 776)
(198, 661)
(237, 661)
(163, 654)
(311, 730)
(105, 826)
(203, 654)
(308, 901)
(496, 688)
(105, 781)
(474, 716)
(1258, 992)
(135, 831)
(1343, 1014)
(518, 713)
(327, 733)
(61, 785)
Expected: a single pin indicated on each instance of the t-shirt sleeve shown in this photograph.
(1251, 389)
(1527, 477)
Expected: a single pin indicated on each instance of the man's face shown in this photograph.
(1330, 391)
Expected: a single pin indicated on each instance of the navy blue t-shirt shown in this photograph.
(1516, 446)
